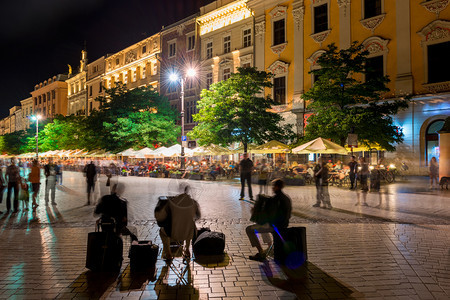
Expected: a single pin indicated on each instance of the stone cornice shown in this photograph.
(298, 14)
(342, 3)
(321, 36)
(437, 87)
(372, 23)
(278, 49)
(436, 30)
(435, 6)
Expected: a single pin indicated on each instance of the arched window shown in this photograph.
(432, 140)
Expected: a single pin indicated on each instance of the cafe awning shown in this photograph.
(320, 145)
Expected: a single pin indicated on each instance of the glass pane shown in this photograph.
(435, 126)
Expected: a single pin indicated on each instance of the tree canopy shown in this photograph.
(235, 110)
(347, 97)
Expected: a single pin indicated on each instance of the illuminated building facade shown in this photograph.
(134, 66)
(407, 41)
(180, 51)
(94, 84)
(27, 111)
(76, 89)
(227, 39)
(50, 97)
(15, 115)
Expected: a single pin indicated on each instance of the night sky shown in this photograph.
(38, 38)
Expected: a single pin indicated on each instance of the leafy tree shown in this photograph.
(344, 103)
(15, 142)
(235, 110)
(132, 118)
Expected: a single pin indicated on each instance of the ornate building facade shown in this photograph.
(50, 97)
(134, 66)
(27, 112)
(407, 41)
(94, 84)
(180, 51)
(76, 89)
(227, 39)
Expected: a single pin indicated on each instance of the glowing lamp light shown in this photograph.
(35, 118)
(191, 73)
(173, 77)
(371, 167)
(391, 166)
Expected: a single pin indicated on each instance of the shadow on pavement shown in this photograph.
(135, 280)
(169, 289)
(306, 282)
(93, 285)
(213, 261)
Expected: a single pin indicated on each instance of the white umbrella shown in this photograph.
(320, 145)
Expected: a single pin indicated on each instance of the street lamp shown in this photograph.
(174, 77)
(37, 118)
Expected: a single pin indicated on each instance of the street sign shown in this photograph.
(184, 144)
(183, 138)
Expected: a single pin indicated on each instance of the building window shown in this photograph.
(321, 18)
(40, 99)
(246, 65)
(172, 49)
(226, 73)
(117, 61)
(53, 94)
(134, 75)
(209, 50)
(125, 78)
(172, 88)
(279, 90)
(247, 37)
(90, 106)
(209, 80)
(227, 44)
(155, 69)
(90, 90)
(100, 87)
(35, 100)
(438, 62)
(95, 69)
(374, 67)
(279, 32)
(190, 111)
(190, 43)
(144, 49)
(432, 140)
(372, 8)
(43, 98)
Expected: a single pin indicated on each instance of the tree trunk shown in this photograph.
(245, 147)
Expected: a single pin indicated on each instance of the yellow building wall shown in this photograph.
(420, 18)
(310, 46)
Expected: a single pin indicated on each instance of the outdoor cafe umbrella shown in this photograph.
(272, 147)
(321, 146)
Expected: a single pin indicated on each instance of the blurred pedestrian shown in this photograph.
(262, 177)
(353, 165)
(35, 179)
(434, 172)
(50, 171)
(59, 173)
(317, 181)
(246, 168)
(90, 171)
(2, 185)
(323, 194)
(363, 174)
(13, 178)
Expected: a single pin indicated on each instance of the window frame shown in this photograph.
(284, 101)
(313, 16)
(226, 44)
(209, 50)
(170, 48)
(363, 10)
(228, 73)
(249, 41)
(188, 44)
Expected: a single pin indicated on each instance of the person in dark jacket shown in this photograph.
(246, 169)
(277, 212)
(114, 207)
(90, 171)
(322, 191)
(353, 165)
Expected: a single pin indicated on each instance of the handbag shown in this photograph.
(259, 216)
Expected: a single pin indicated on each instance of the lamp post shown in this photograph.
(37, 118)
(174, 77)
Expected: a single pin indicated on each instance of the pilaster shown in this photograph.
(345, 37)
(404, 79)
(298, 106)
(260, 32)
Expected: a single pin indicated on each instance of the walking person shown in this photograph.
(262, 177)
(434, 172)
(363, 174)
(50, 171)
(353, 165)
(90, 171)
(246, 168)
(2, 185)
(59, 172)
(35, 179)
(13, 178)
(317, 182)
(323, 194)
(275, 212)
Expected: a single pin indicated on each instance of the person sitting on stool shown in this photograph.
(274, 213)
(114, 207)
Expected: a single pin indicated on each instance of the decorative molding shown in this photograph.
(226, 62)
(130, 57)
(246, 59)
(435, 6)
(436, 30)
(372, 23)
(260, 29)
(314, 57)
(279, 108)
(318, 1)
(321, 36)
(180, 29)
(375, 45)
(298, 15)
(343, 3)
(279, 12)
(437, 87)
(278, 68)
(278, 49)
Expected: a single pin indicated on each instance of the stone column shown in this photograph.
(298, 13)
(260, 30)
(345, 38)
(404, 79)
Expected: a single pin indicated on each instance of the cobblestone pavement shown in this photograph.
(395, 247)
